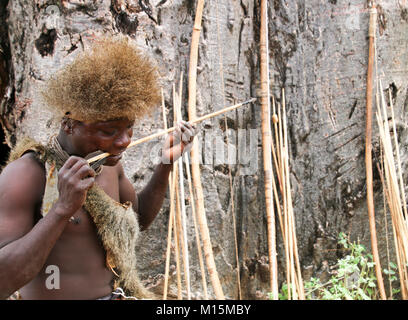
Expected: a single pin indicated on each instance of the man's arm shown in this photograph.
(148, 202)
(24, 247)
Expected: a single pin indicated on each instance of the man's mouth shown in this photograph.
(115, 156)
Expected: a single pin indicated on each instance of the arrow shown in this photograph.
(163, 132)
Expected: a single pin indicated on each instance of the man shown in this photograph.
(57, 212)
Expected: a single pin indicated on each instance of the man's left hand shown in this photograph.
(178, 142)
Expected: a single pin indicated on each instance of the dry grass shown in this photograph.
(284, 204)
(393, 187)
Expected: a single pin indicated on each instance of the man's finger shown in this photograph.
(187, 135)
(87, 183)
(195, 128)
(77, 166)
(71, 162)
(188, 132)
(85, 172)
(192, 127)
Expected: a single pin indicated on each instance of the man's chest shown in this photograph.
(109, 182)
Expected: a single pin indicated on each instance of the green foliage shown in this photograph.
(392, 276)
(352, 279)
(283, 295)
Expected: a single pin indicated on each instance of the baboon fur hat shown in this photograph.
(112, 80)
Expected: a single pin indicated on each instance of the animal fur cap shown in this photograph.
(111, 80)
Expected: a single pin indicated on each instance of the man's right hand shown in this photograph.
(75, 178)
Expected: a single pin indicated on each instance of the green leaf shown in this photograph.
(386, 271)
(362, 294)
(346, 293)
(395, 291)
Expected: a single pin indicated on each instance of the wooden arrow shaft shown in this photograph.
(163, 132)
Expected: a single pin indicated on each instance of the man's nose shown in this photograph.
(122, 141)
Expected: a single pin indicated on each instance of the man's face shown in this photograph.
(111, 136)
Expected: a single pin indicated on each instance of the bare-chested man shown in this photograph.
(67, 236)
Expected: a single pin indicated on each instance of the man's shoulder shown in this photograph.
(25, 171)
(28, 161)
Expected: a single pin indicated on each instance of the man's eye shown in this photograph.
(109, 133)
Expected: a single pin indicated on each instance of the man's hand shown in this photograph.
(74, 180)
(178, 142)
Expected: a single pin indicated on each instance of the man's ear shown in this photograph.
(67, 125)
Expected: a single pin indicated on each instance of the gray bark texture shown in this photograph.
(318, 52)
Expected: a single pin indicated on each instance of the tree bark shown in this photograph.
(317, 53)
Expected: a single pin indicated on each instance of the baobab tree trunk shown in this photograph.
(317, 53)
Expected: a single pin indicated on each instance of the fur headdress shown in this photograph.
(112, 80)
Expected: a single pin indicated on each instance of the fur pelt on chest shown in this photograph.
(116, 223)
